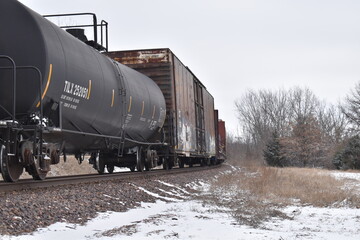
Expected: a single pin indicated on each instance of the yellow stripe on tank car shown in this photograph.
(143, 106)
(153, 112)
(130, 101)
(89, 92)
(112, 99)
(47, 84)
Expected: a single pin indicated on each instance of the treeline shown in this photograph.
(294, 128)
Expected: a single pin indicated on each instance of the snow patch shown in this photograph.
(199, 186)
(346, 175)
(158, 196)
(352, 180)
(193, 220)
(173, 186)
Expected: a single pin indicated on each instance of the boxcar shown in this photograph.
(191, 125)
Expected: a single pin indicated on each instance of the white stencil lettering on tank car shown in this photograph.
(152, 126)
(77, 90)
(128, 119)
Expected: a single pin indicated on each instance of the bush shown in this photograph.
(349, 157)
(273, 153)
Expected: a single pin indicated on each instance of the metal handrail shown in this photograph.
(106, 24)
(78, 14)
(14, 83)
(95, 25)
(40, 86)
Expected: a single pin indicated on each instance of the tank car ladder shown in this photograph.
(122, 92)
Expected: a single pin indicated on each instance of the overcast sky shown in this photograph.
(236, 45)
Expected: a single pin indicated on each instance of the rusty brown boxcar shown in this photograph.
(220, 132)
(190, 127)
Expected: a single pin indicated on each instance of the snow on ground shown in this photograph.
(318, 223)
(191, 219)
(346, 175)
(186, 220)
(352, 179)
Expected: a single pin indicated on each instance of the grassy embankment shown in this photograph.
(254, 194)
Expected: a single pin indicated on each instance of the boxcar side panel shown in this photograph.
(185, 109)
(222, 140)
(210, 135)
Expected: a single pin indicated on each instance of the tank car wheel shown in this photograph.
(36, 171)
(110, 168)
(140, 164)
(181, 163)
(100, 165)
(140, 167)
(140, 161)
(167, 164)
(11, 168)
(150, 158)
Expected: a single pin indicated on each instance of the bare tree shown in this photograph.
(263, 112)
(303, 104)
(275, 107)
(351, 108)
(333, 122)
(307, 145)
(307, 128)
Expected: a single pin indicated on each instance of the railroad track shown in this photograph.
(27, 184)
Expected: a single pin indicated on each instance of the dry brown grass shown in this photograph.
(310, 186)
(255, 194)
(285, 185)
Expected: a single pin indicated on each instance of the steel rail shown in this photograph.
(29, 184)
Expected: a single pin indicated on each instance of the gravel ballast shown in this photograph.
(27, 210)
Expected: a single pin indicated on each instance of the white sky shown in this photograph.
(235, 45)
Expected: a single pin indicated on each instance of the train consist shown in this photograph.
(61, 93)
